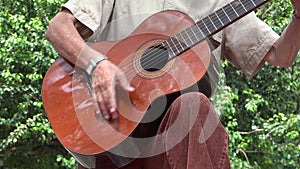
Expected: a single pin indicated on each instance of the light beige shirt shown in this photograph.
(247, 41)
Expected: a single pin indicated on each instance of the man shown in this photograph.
(248, 43)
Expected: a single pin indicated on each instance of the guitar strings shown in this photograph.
(209, 28)
(211, 25)
(231, 14)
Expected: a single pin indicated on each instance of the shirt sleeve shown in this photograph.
(92, 13)
(247, 41)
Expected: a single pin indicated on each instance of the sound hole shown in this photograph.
(154, 58)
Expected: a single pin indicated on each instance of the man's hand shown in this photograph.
(105, 78)
(296, 4)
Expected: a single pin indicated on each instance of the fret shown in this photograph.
(179, 40)
(174, 44)
(248, 4)
(253, 2)
(189, 38)
(231, 13)
(203, 28)
(182, 39)
(239, 7)
(217, 19)
(223, 16)
(169, 47)
(233, 9)
(195, 35)
(199, 30)
(207, 24)
(258, 2)
(212, 23)
(243, 6)
(226, 14)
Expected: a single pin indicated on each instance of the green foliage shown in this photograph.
(261, 114)
(263, 121)
(26, 138)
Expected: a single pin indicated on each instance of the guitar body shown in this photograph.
(71, 108)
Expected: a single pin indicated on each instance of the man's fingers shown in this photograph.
(102, 107)
(108, 76)
(109, 100)
(123, 82)
(100, 86)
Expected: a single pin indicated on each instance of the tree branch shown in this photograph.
(251, 132)
(245, 155)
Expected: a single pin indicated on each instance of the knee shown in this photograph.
(197, 104)
(194, 97)
(193, 104)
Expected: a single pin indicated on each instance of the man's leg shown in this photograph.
(204, 147)
(204, 144)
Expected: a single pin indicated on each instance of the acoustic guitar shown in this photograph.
(167, 53)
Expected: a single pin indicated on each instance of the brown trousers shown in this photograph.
(205, 146)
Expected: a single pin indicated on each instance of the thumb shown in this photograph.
(123, 82)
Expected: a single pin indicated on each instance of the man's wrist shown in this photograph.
(296, 15)
(93, 63)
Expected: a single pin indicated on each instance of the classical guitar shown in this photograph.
(165, 54)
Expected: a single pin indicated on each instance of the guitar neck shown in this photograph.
(209, 25)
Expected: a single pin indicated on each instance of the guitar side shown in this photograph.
(71, 109)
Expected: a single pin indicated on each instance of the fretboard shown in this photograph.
(209, 25)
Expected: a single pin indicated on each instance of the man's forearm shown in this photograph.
(64, 36)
